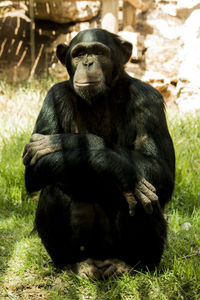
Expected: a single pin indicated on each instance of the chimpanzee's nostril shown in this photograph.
(87, 63)
(90, 63)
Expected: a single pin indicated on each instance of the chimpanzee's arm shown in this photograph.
(80, 155)
(149, 156)
(153, 153)
(78, 151)
(90, 155)
(78, 165)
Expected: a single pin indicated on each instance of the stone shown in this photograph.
(188, 87)
(186, 226)
(62, 12)
(162, 44)
(184, 8)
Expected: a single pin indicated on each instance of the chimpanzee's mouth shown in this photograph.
(87, 83)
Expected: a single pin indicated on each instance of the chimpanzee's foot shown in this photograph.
(96, 269)
(87, 269)
(112, 266)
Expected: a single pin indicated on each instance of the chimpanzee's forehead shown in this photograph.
(89, 36)
(93, 35)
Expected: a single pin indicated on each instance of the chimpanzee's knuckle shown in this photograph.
(45, 143)
(35, 137)
(32, 139)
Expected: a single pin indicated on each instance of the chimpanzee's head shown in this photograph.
(94, 60)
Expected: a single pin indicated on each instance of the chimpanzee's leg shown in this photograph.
(142, 237)
(53, 224)
(66, 226)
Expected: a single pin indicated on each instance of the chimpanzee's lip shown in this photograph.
(87, 83)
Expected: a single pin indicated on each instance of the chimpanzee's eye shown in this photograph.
(98, 51)
(78, 52)
(81, 53)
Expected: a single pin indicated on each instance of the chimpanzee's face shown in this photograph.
(92, 67)
(94, 60)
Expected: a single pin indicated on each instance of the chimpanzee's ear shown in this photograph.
(127, 50)
(61, 53)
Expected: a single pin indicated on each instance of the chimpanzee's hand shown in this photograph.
(39, 146)
(145, 192)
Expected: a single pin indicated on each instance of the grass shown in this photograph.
(26, 271)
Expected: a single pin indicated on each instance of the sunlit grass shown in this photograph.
(26, 271)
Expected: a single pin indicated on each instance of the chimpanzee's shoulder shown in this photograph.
(60, 89)
(144, 92)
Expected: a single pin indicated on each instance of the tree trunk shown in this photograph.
(109, 15)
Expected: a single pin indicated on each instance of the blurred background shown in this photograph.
(165, 37)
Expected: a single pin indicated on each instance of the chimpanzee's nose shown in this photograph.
(88, 62)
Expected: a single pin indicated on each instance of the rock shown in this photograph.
(162, 44)
(60, 11)
(186, 226)
(155, 56)
(188, 88)
(185, 8)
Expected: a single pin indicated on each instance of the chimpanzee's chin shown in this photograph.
(90, 95)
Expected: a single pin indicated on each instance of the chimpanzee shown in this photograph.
(102, 156)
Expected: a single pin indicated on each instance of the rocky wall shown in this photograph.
(166, 42)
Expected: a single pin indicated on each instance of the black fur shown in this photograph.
(106, 147)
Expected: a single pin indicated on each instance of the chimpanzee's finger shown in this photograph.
(131, 203)
(39, 154)
(146, 203)
(30, 150)
(26, 157)
(147, 192)
(36, 137)
(31, 147)
(148, 184)
(25, 150)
